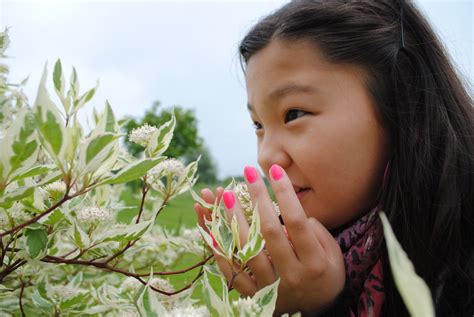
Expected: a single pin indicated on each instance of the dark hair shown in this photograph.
(429, 193)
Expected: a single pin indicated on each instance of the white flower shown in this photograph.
(89, 214)
(162, 284)
(245, 200)
(141, 135)
(242, 193)
(246, 306)
(130, 284)
(65, 291)
(57, 187)
(169, 166)
(189, 312)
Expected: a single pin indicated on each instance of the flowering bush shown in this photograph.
(63, 250)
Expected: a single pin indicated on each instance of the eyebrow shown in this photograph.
(287, 90)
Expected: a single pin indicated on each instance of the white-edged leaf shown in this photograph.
(148, 304)
(415, 293)
(266, 298)
(128, 233)
(34, 171)
(133, 171)
(49, 122)
(210, 241)
(161, 139)
(217, 306)
(201, 201)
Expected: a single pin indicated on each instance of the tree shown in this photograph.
(187, 144)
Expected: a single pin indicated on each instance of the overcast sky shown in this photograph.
(181, 53)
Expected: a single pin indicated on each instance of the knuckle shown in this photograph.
(295, 222)
(271, 232)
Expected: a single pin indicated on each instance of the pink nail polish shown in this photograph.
(276, 172)
(229, 199)
(250, 174)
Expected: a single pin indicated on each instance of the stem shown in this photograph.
(21, 298)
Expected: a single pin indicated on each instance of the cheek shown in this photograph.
(346, 164)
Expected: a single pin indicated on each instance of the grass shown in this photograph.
(178, 212)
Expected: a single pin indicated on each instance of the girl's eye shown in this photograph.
(294, 114)
(256, 125)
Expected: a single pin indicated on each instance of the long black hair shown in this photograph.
(429, 193)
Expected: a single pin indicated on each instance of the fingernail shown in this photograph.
(276, 172)
(250, 174)
(229, 199)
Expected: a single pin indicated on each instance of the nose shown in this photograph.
(272, 150)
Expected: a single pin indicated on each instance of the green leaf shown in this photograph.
(80, 238)
(148, 304)
(97, 144)
(15, 195)
(52, 218)
(58, 79)
(133, 171)
(36, 242)
(34, 171)
(413, 290)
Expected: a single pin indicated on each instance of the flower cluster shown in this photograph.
(168, 167)
(56, 189)
(246, 307)
(189, 312)
(242, 193)
(90, 214)
(142, 135)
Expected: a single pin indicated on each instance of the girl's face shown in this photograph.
(318, 121)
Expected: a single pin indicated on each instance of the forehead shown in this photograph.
(286, 64)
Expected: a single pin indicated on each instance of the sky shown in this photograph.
(178, 52)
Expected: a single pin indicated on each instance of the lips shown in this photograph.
(301, 191)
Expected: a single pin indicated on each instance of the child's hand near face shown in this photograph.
(311, 266)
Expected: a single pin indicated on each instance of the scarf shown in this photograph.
(360, 244)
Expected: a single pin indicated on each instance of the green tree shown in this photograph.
(187, 143)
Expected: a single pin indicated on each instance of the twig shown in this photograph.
(140, 211)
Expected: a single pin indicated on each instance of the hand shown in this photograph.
(309, 262)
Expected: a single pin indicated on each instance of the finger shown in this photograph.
(260, 265)
(306, 245)
(200, 214)
(277, 244)
(219, 192)
(327, 241)
(242, 282)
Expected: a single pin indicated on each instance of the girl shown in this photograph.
(357, 109)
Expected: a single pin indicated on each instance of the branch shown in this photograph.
(180, 271)
(105, 266)
(11, 268)
(38, 217)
